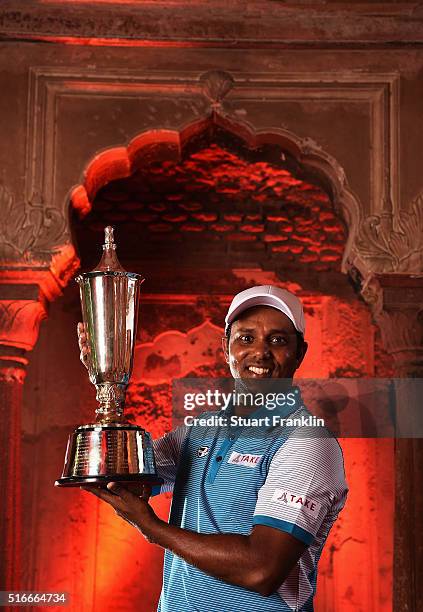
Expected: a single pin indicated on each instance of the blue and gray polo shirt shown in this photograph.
(226, 480)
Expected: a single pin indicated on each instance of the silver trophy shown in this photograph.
(111, 448)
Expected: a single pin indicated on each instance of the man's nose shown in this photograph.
(262, 348)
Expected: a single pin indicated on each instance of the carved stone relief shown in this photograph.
(19, 324)
(389, 243)
(216, 84)
(28, 230)
(397, 306)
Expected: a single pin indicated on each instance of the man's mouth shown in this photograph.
(259, 371)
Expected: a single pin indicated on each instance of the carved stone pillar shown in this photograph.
(11, 384)
(21, 310)
(36, 262)
(397, 304)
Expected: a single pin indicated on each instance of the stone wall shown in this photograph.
(286, 141)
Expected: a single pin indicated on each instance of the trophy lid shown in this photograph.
(109, 261)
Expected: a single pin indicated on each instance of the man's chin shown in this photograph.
(264, 384)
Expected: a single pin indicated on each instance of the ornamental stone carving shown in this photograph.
(19, 324)
(396, 302)
(29, 231)
(216, 84)
(387, 243)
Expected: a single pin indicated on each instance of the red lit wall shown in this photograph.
(221, 220)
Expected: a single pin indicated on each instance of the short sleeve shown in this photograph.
(304, 485)
(167, 451)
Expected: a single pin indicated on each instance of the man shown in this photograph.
(250, 512)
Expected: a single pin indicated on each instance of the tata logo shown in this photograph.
(202, 451)
(301, 502)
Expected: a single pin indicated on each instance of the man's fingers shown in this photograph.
(118, 496)
(123, 493)
(83, 344)
(80, 330)
(106, 496)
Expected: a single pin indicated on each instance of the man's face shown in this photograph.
(262, 345)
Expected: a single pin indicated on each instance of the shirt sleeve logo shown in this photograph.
(300, 502)
(244, 459)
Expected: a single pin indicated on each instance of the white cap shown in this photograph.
(267, 295)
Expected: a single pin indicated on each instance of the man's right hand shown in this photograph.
(83, 345)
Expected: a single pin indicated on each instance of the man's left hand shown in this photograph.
(133, 509)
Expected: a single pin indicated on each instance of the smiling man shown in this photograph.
(251, 511)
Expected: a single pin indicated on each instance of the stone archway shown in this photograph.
(161, 144)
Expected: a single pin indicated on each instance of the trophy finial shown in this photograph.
(109, 261)
(109, 241)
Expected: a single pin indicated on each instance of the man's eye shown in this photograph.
(278, 340)
(245, 338)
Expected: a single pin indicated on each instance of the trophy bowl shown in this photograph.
(111, 449)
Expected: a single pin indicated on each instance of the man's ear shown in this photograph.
(225, 348)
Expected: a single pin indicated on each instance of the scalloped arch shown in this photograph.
(164, 144)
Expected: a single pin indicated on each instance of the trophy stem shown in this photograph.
(111, 399)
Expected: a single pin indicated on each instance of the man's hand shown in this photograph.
(83, 344)
(133, 509)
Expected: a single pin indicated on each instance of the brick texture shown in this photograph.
(219, 203)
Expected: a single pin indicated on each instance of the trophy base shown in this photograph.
(115, 452)
(133, 483)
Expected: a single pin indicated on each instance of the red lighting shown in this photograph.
(205, 221)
